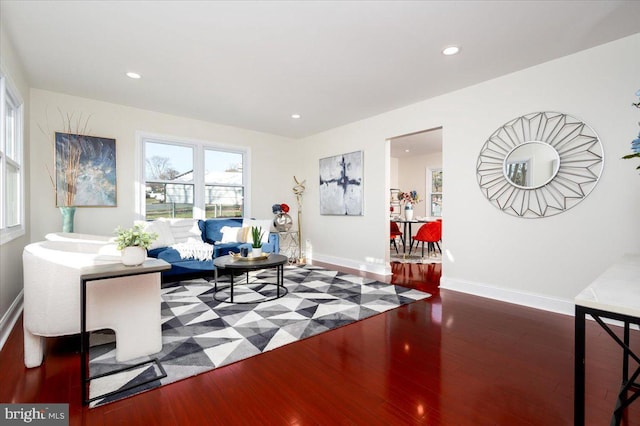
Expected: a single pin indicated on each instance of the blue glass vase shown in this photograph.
(67, 218)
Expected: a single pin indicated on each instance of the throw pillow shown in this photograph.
(165, 237)
(213, 228)
(244, 235)
(264, 224)
(182, 229)
(230, 234)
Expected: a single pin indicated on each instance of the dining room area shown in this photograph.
(415, 199)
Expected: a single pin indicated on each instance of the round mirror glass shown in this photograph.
(531, 165)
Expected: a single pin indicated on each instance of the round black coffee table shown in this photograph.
(242, 265)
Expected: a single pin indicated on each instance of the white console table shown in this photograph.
(614, 295)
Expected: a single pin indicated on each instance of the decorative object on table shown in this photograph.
(244, 251)
(239, 256)
(256, 238)
(298, 190)
(341, 183)
(408, 211)
(282, 221)
(635, 144)
(540, 164)
(409, 199)
(134, 243)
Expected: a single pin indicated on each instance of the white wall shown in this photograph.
(394, 181)
(543, 262)
(271, 180)
(11, 252)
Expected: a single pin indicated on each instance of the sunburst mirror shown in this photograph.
(540, 164)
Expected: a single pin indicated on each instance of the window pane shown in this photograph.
(222, 167)
(436, 181)
(168, 162)
(10, 131)
(436, 205)
(169, 200)
(223, 201)
(12, 196)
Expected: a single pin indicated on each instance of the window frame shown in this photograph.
(9, 94)
(199, 185)
(430, 172)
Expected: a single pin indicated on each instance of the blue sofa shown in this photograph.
(211, 233)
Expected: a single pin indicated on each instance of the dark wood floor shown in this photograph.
(453, 359)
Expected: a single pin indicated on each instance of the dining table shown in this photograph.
(406, 226)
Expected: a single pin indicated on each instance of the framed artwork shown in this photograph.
(85, 171)
(341, 184)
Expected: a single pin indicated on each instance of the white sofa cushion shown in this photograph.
(183, 229)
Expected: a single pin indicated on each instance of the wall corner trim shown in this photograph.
(379, 268)
(10, 318)
(531, 300)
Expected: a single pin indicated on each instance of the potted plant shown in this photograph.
(256, 236)
(134, 243)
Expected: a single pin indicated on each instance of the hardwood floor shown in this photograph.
(453, 359)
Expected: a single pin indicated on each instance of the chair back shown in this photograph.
(430, 232)
(395, 230)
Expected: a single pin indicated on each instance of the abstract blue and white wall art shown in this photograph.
(341, 184)
(85, 171)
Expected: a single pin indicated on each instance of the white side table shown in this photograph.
(615, 295)
(103, 272)
(289, 245)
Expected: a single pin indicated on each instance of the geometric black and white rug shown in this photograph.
(200, 334)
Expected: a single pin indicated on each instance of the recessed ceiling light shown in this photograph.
(295, 115)
(451, 50)
(407, 150)
(134, 75)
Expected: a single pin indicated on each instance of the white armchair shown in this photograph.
(129, 305)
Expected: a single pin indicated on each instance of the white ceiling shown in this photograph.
(421, 143)
(251, 64)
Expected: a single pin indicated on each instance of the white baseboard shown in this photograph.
(532, 300)
(374, 266)
(9, 319)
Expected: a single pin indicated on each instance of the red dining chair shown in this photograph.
(395, 232)
(430, 233)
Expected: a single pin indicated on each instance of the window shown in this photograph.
(192, 179)
(435, 192)
(11, 167)
(224, 191)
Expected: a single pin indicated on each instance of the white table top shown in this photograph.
(616, 290)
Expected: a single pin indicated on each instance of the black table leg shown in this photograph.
(231, 286)
(579, 380)
(279, 278)
(84, 346)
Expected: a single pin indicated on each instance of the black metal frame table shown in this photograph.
(245, 265)
(407, 236)
(103, 272)
(614, 295)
